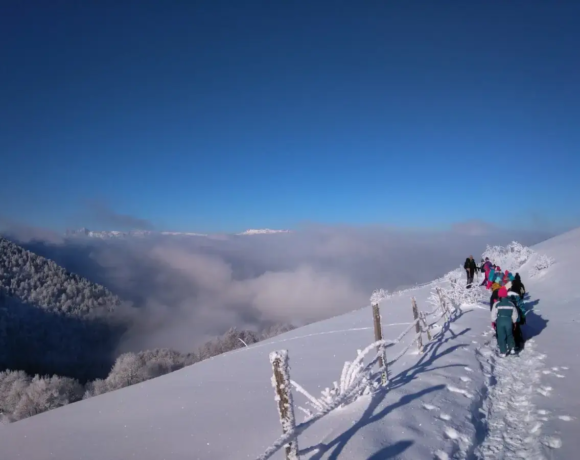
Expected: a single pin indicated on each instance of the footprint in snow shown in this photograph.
(552, 441)
(566, 418)
(451, 433)
(536, 427)
(545, 391)
(429, 407)
(487, 352)
(460, 391)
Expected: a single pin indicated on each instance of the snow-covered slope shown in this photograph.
(456, 400)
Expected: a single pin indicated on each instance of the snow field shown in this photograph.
(456, 400)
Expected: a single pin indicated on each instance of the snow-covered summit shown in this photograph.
(263, 231)
(85, 232)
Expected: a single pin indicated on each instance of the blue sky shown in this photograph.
(219, 116)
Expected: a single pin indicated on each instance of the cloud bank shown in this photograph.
(188, 289)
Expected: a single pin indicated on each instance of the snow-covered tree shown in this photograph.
(22, 396)
(53, 321)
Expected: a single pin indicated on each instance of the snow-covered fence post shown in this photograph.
(379, 336)
(443, 303)
(417, 325)
(376, 299)
(281, 383)
(425, 325)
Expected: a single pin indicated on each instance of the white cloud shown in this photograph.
(189, 289)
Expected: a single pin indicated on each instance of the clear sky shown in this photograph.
(221, 116)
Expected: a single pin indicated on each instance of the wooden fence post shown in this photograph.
(281, 383)
(424, 319)
(443, 303)
(379, 336)
(417, 325)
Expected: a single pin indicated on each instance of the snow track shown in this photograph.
(513, 423)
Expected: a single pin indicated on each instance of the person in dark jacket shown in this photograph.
(494, 297)
(470, 266)
(504, 315)
(485, 269)
(518, 287)
(518, 336)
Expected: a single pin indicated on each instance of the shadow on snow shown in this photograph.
(432, 352)
(535, 323)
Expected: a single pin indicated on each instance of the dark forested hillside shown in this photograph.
(53, 321)
(59, 337)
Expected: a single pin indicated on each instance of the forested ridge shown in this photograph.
(59, 334)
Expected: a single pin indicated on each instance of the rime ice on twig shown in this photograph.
(542, 262)
(510, 257)
(378, 296)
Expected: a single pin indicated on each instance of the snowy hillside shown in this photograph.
(53, 321)
(454, 400)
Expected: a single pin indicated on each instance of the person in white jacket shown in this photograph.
(504, 314)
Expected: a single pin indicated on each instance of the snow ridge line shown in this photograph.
(511, 422)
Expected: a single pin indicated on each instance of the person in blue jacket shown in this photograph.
(504, 315)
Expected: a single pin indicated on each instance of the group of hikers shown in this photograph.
(506, 303)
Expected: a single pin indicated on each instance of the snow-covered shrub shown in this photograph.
(541, 264)
(22, 396)
(510, 257)
(132, 368)
(456, 291)
(356, 379)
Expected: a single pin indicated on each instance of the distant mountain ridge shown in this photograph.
(85, 232)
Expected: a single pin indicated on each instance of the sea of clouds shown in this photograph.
(188, 289)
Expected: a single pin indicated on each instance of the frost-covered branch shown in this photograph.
(358, 381)
(510, 257)
(541, 264)
(353, 373)
(378, 296)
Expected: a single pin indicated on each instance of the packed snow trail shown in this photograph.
(513, 423)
